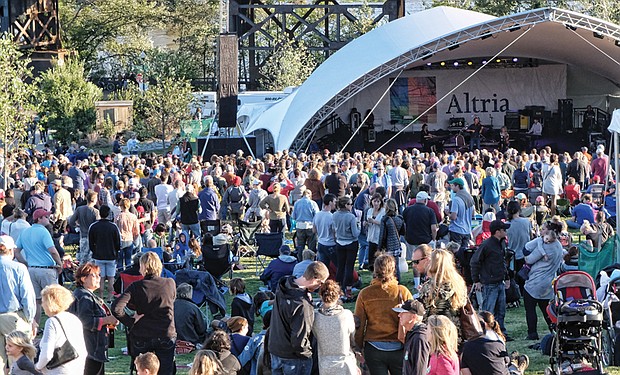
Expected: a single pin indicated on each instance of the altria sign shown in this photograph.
(471, 103)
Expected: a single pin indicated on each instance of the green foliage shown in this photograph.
(289, 65)
(166, 104)
(109, 31)
(17, 97)
(69, 100)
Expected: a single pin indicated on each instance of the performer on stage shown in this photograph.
(426, 138)
(476, 130)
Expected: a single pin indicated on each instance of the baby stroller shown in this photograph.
(577, 319)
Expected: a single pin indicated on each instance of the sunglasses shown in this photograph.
(417, 261)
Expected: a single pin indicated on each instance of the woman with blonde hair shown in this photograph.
(443, 346)
(206, 363)
(445, 292)
(377, 334)
(61, 326)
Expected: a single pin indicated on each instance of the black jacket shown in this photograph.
(487, 264)
(189, 322)
(241, 305)
(417, 351)
(188, 208)
(104, 240)
(291, 321)
(88, 308)
(154, 297)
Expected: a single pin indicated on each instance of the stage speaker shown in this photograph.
(511, 121)
(228, 84)
(565, 112)
(224, 146)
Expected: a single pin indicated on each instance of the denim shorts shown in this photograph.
(107, 267)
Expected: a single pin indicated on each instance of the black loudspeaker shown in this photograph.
(227, 117)
(224, 146)
(228, 84)
(512, 121)
(565, 113)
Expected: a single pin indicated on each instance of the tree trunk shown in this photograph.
(163, 134)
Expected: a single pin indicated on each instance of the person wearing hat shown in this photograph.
(257, 194)
(488, 272)
(17, 297)
(420, 223)
(462, 210)
(35, 248)
(417, 346)
(282, 266)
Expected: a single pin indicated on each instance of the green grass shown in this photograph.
(515, 324)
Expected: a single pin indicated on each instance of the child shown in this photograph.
(181, 249)
(238, 327)
(444, 343)
(147, 364)
(205, 363)
(21, 351)
(241, 304)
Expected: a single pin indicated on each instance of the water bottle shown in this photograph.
(178, 259)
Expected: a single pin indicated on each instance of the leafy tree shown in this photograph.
(17, 97)
(289, 65)
(69, 100)
(109, 32)
(166, 104)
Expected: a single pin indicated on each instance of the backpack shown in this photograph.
(536, 180)
(141, 213)
(236, 200)
(435, 183)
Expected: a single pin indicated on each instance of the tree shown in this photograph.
(17, 97)
(289, 65)
(167, 103)
(69, 100)
(109, 32)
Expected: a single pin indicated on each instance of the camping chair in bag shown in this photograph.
(268, 246)
(562, 206)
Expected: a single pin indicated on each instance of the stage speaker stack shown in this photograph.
(511, 121)
(565, 114)
(228, 85)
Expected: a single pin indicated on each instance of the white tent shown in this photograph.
(432, 36)
(614, 128)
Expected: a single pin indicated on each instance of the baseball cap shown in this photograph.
(7, 241)
(256, 181)
(497, 225)
(411, 306)
(457, 181)
(521, 196)
(39, 213)
(285, 250)
(422, 195)
(58, 182)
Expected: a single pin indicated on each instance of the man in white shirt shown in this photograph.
(161, 192)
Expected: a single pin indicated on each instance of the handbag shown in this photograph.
(471, 327)
(65, 353)
(524, 272)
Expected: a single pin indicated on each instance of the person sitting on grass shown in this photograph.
(278, 268)
(219, 342)
(254, 350)
(189, 321)
(308, 256)
(238, 327)
(241, 304)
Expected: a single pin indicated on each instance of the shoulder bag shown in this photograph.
(471, 327)
(65, 353)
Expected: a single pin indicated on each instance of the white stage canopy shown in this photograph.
(433, 35)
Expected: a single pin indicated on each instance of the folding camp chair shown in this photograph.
(268, 246)
(245, 237)
(217, 259)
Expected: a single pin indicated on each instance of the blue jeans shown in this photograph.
(124, 256)
(193, 228)
(494, 301)
(474, 143)
(286, 366)
(362, 256)
(326, 254)
(163, 349)
(573, 224)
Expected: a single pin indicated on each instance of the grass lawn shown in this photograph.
(515, 323)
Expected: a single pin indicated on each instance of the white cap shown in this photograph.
(7, 241)
(422, 195)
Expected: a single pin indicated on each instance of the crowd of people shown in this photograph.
(465, 223)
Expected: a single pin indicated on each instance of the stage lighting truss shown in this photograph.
(511, 23)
